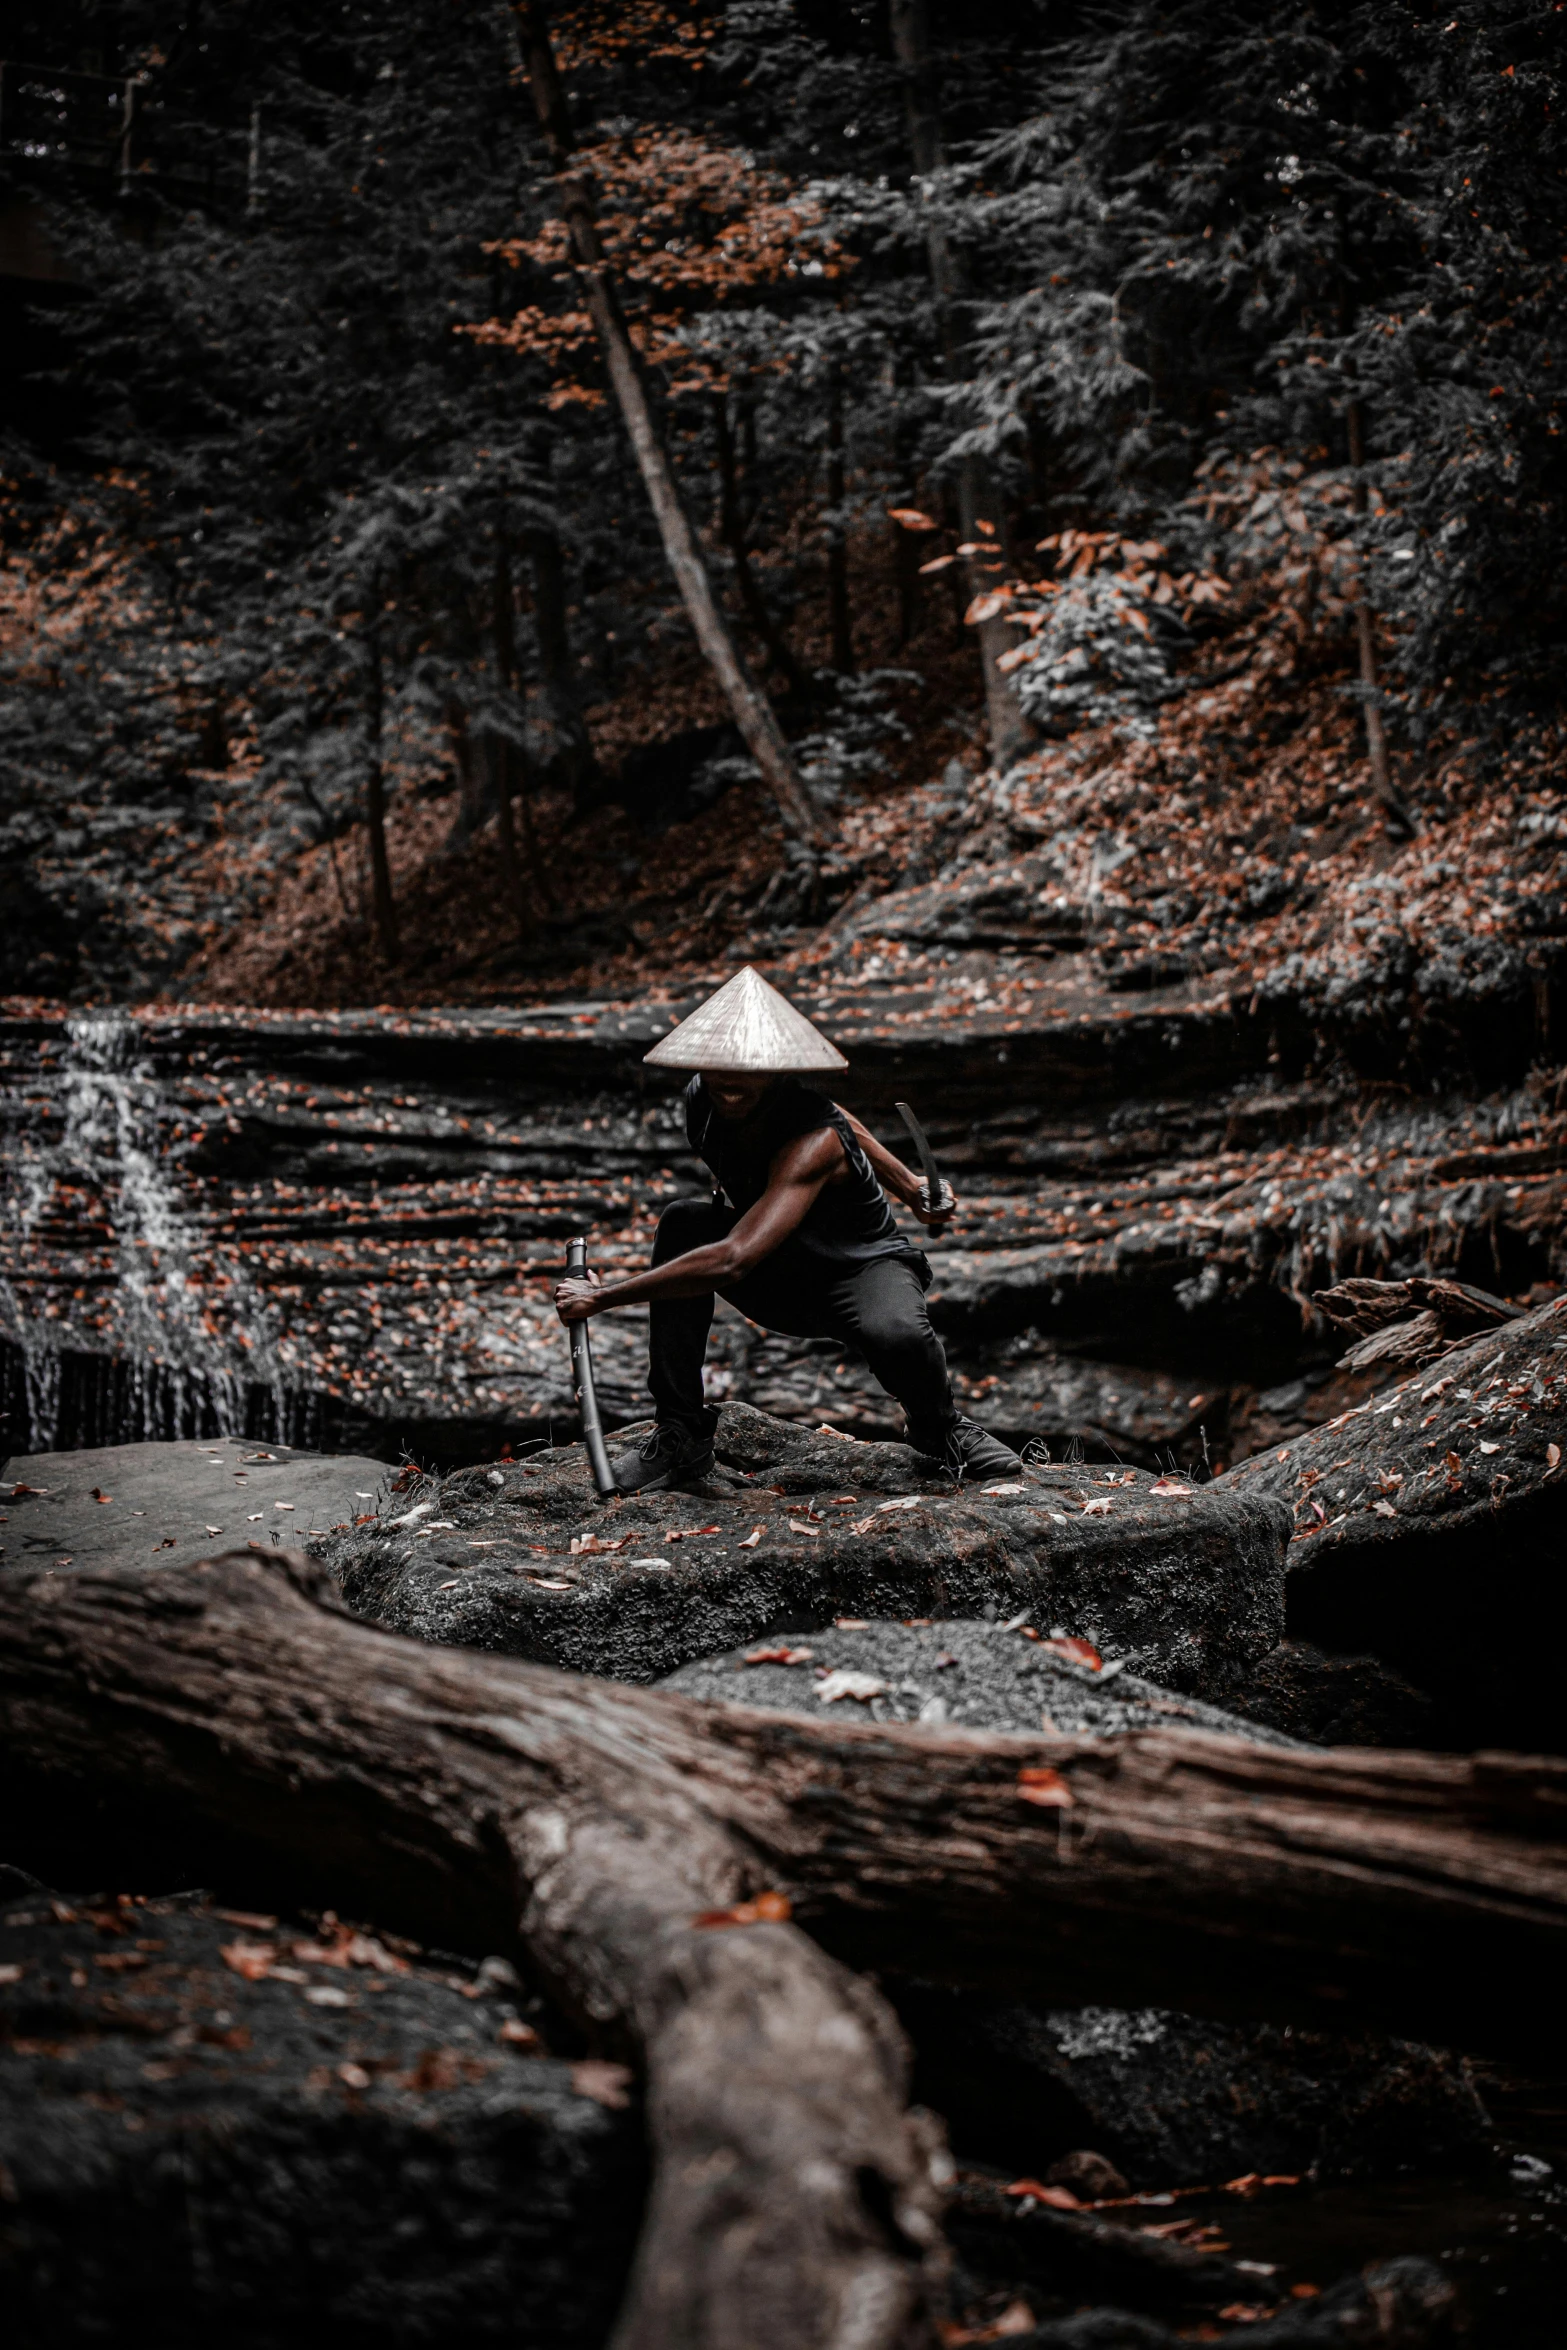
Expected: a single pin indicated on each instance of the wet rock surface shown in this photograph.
(169, 1504)
(978, 1676)
(342, 1228)
(1429, 1527)
(796, 1528)
(1327, 1700)
(225, 2130)
(1175, 2100)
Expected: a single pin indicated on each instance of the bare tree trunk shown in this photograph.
(384, 909)
(1365, 639)
(1010, 732)
(837, 544)
(732, 528)
(503, 754)
(572, 764)
(753, 713)
(469, 795)
(631, 1839)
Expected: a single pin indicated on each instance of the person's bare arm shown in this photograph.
(794, 1181)
(901, 1181)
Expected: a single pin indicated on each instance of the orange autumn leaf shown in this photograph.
(1046, 1788)
(768, 1909)
(1059, 2198)
(1075, 1652)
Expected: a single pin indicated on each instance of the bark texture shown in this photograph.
(795, 2198)
(1440, 1503)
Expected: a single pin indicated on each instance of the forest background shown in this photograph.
(1127, 438)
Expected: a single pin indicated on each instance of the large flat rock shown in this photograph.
(326, 2152)
(145, 1505)
(796, 1528)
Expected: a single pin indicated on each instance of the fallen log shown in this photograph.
(1428, 1525)
(629, 1837)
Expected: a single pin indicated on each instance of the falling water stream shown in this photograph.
(98, 1165)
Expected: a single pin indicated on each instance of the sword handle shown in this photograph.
(582, 1379)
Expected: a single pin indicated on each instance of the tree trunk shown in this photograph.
(732, 527)
(504, 759)
(1010, 732)
(572, 763)
(793, 2202)
(385, 911)
(469, 793)
(444, 1791)
(753, 713)
(837, 544)
(1365, 639)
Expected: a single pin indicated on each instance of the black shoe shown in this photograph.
(667, 1455)
(967, 1451)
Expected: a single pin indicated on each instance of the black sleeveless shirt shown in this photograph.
(849, 1224)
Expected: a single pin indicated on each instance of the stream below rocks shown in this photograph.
(339, 1230)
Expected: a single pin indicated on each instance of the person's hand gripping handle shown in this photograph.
(573, 1302)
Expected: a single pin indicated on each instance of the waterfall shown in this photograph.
(95, 1182)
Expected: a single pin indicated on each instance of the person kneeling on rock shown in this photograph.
(798, 1235)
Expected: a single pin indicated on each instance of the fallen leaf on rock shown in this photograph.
(688, 1533)
(98, 1494)
(1059, 2198)
(904, 1501)
(514, 2033)
(752, 1539)
(253, 1960)
(768, 1909)
(1016, 2318)
(353, 2076)
(1099, 1507)
(1046, 1788)
(1173, 1485)
(998, 1489)
(1383, 1509)
(1553, 1456)
(863, 1686)
(246, 1917)
(553, 1583)
(212, 1529)
(1074, 1651)
(852, 1623)
(328, 1995)
(862, 1525)
(607, 2084)
(10, 1974)
(796, 1526)
(779, 1656)
(1490, 1447)
(1244, 2313)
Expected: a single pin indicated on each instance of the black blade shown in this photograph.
(935, 1189)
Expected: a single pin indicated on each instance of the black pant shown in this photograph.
(879, 1310)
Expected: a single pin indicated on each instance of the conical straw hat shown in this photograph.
(747, 1026)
